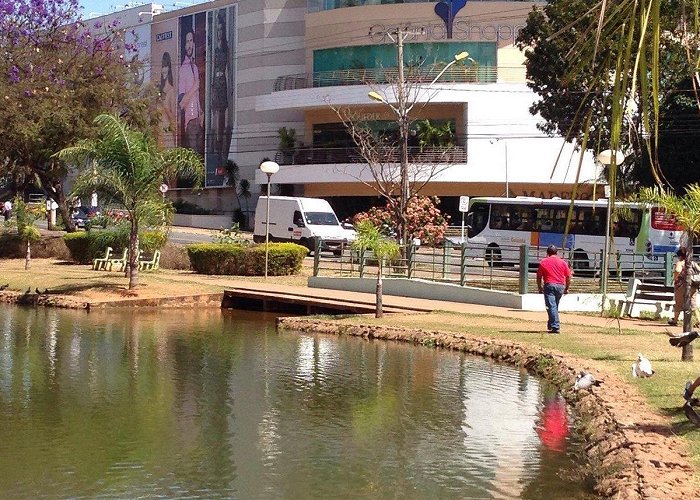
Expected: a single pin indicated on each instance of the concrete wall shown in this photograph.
(203, 221)
(576, 302)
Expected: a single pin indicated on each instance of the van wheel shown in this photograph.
(308, 243)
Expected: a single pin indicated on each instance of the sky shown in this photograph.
(94, 8)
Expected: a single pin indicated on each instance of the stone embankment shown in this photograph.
(631, 451)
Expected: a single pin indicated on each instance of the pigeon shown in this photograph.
(46, 291)
(642, 367)
(585, 380)
(683, 340)
(4, 286)
(29, 290)
(38, 292)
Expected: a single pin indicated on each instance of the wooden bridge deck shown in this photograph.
(314, 302)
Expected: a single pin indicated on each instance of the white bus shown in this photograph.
(498, 226)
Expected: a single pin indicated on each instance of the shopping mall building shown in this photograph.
(233, 73)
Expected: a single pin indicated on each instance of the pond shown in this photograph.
(209, 403)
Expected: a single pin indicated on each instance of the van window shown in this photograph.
(321, 219)
(298, 219)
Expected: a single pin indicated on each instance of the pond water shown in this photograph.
(210, 403)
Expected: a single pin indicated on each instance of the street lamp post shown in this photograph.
(608, 158)
(402, 110)
(269, 168)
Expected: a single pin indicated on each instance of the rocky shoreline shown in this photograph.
(622, 452)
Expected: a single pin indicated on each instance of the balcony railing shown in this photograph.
(378, 76)
(323, 155)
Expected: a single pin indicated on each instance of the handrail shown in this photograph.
(330, 155)
(417, 75)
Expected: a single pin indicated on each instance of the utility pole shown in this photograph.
(398, 37)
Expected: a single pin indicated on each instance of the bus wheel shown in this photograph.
(581, 264)
(493, 255)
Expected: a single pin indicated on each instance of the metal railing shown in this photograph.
(509, 269)
(417, 75)
(323, 155)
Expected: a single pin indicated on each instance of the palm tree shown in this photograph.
(25, 217)
(128, 167)
(687, 212)
(370, 238)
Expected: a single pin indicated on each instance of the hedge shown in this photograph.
(50, 247)
(239, 260)
(88, 245)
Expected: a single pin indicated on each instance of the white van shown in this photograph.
(302, 221)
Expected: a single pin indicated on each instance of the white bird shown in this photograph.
(585, 380)
(642, 367)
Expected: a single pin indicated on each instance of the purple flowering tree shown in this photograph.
(57, 73)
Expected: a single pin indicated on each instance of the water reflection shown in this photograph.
(217, 404)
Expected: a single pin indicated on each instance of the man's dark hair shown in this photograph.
(552, 250)
(681, 253)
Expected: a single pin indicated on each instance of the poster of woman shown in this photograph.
(220, 35)
(164, 76)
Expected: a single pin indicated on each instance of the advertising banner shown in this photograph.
(164, 54)
(220, 95)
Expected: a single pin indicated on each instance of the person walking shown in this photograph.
(7, 209)
(553, 280)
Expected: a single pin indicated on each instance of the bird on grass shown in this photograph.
(683, 340)
(37, 291)
(585, 380)
(2, 287)
(642, 367)
(29, 290)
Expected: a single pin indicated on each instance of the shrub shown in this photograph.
(85, 246)
(217, 258)
(185, 207)
(425, 221)
(50, 246)
(174, 257)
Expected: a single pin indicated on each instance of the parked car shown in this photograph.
(81, 215)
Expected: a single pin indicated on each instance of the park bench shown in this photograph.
(639, 292)
(117, 264)
(151, 264)
(100, 264)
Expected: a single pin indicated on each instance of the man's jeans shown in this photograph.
(552, 295)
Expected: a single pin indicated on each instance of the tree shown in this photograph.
(26, 216)
(605, 73)
(369, 237)
(59, 73)
(686, 209)
(127, 166)
(423, 220)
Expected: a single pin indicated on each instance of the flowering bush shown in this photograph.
(425, 221)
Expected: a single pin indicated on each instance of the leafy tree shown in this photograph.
(24, 221)
(423, 218)
(606, 74)
(686, 209)
(127, 167)
(58, 73)
(369, 237)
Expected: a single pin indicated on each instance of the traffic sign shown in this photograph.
(463, 203)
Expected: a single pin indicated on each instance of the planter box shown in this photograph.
(203, 221)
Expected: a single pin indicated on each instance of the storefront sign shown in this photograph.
(461, 30)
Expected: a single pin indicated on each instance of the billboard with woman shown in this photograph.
(164, 76)
(220, 95)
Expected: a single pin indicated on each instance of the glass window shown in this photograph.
(321, 218)
(479, 216)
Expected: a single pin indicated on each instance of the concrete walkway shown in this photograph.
(470, 309)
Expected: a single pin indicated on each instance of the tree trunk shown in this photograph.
(133, 264)
(687, 354)
(28, 257)
(379, 312)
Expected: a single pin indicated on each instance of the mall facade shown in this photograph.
(231, 74)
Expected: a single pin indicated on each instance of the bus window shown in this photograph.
(628, 225)
(479, 218)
